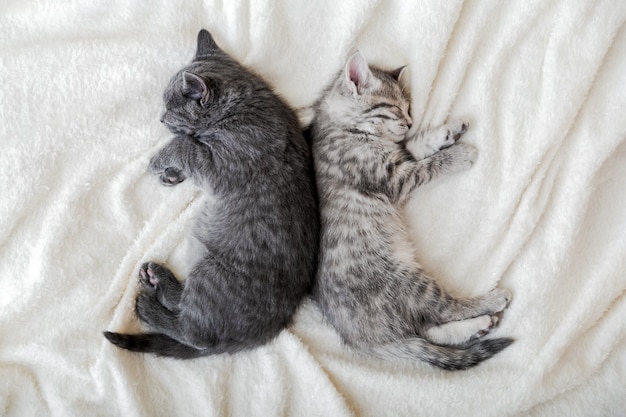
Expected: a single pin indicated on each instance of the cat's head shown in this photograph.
(371, 99)
(203, 92)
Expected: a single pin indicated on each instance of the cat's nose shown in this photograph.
(409, 122)
(162, 118)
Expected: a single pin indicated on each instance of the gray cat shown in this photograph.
(369, 285)
(259, 239)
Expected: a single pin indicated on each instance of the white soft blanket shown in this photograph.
(543, 211)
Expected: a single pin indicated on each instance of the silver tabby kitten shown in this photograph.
(369, 285)
(258, 240)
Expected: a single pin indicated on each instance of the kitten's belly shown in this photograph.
(367, 229)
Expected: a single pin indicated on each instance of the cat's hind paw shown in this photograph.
(490, 323)
(147, 277)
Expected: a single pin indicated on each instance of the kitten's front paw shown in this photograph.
(460, 156)
(455, 131)
(499, 299)
(161, 166)
(171, 176)
(429, 142)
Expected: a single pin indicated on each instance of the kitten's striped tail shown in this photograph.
(445, 357)
(156, 343)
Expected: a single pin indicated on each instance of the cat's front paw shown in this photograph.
(499, 298)
(168, 175)
(459, 156)
(171, 176)
(429, 142)
(455, 131)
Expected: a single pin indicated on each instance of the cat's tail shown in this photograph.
(445, 357)
(156, 343)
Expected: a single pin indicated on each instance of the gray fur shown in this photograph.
(237, 139)
(369, 285)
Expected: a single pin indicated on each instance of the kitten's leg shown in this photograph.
(157, 304)
(453, 309)
(150, 310)
(437, 306)
(179, 159)
(411, 174)
(461, 331)
(159, 280)
(456, 158)
(428, 142)
(166, 164)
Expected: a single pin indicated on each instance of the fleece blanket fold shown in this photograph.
(542, 212)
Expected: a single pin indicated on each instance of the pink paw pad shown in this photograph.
(492, 323)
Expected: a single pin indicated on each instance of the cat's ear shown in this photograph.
(357, 73)
(402, 77)
(206, 44)
(195, 87)
(398, 73)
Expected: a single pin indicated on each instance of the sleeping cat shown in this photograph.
(259, 239)
(369, 285)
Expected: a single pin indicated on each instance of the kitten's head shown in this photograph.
(370, 100)
(205, 91)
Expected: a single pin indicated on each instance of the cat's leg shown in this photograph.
(179, 159)
(453, 309)
(458, 157)
(406, 175)
(150, 310)
(461, 331)
(411, 174)
(428, 142)
(167, 164)
(437, 306)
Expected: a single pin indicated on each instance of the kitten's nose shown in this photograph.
(162, 118)
(409, 122)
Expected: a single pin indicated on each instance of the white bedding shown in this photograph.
(543, 211)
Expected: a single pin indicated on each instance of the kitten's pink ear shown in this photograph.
(195, 87)
(358, 73)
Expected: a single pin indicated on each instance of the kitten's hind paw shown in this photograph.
(147, 279)
(154, 276)
(491, 322)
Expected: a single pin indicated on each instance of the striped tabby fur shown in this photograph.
(369, 285)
